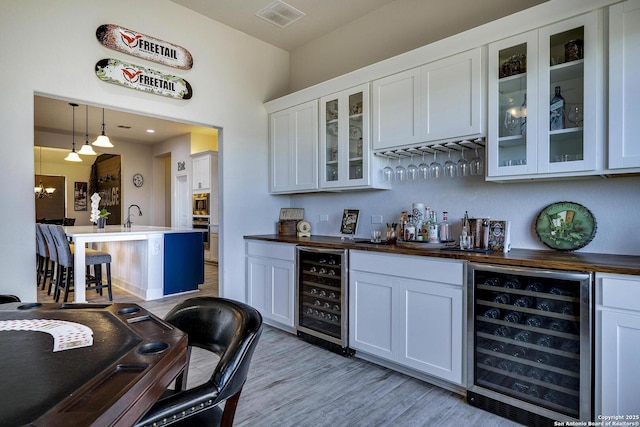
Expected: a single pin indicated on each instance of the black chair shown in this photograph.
(8, 298)
(68, 222)
(227, 328)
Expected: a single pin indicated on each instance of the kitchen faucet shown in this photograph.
(128, 222)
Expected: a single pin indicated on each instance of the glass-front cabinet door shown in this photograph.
(344, 139)
(545, 96)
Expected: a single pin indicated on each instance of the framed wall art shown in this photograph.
(79, 196)
(349, 221)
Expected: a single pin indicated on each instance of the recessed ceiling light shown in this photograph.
(150, 131)
(280, 14)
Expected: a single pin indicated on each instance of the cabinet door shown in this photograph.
(344, 139)
(270, 285)
(620, 376)
(624, 85)
(293, 143)
(258, 278)
(396, 110)
(372, 322)
(452, 97)
(512, 131)
(201, 172)
(431, 319)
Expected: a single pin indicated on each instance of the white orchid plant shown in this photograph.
(97, 213)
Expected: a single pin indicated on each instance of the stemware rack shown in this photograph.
(436, 147)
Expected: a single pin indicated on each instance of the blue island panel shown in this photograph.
(183, 262)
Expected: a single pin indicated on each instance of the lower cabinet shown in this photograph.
(271, 282)
(408, 310)
(617, 346)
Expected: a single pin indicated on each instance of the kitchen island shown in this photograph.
(149, 262)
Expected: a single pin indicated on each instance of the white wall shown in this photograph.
(51, 47)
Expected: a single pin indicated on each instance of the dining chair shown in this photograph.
(53, 256)
(42, 258)
(8, 298)
(64, 277)
(228, 329)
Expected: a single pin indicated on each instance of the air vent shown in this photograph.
(280, 14)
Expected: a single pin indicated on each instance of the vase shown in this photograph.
(101, 222)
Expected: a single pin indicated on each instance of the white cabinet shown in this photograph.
(438, 101)
(617, 345)
(212, 253)
(346, 160)
(205, 170)
(624, 85)
(293, 149)
(271, 282)
(408, 310)
(525, 72)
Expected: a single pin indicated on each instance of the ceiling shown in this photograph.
(321, 17)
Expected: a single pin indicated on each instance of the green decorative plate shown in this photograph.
(566, 226)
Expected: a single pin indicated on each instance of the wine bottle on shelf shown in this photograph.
(513, 317)
(502, 299)
(556, 111)
(535, 321)
(524, 302)
(534, 287)
(545, 341)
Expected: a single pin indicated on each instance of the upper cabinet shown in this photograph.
(345, 151)
(437, 101)
(293, 145)
(624, 85)
(545, 101)
(205, 171)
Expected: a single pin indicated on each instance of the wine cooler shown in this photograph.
(321, 298)
(530, 343)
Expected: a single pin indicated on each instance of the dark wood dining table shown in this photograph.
(84, 364)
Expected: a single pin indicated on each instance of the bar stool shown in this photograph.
(53, 256)
(64, 278)
(42, 258)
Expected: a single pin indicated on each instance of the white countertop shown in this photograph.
(113, 230)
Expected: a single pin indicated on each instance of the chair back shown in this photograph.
(227, 328)
(69, 222)
(8, 298)
(41, 245)
(65, 257)
(51, 246)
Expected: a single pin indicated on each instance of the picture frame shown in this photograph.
(349, 223)
(79, 196)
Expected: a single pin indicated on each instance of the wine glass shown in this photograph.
(423, 168)
(476, 164)
(412, 170)
(575, 115)
(401, 172)
(510, 122)
(388, 172)
(435, 168)
(463, 165)
(449, 167)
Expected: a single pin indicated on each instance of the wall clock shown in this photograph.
(138, 180)
(566, 226)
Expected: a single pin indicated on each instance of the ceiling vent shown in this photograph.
(280, 14)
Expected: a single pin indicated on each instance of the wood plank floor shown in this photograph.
(293, 383)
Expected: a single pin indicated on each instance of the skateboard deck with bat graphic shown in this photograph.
(143, 46)
(141, 78)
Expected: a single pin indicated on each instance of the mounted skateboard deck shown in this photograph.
(144, 79)
(143, 46)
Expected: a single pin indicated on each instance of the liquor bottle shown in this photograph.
(556, 111)
(523, 116)
(432, 228)
(445, 228)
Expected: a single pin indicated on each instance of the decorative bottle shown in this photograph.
(432, 228)
(556, 111)
(445, 229)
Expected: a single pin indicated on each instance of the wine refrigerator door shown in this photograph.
(530, 340)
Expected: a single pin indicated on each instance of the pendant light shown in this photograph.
(103, 140)
(86, 149)
(73, 156)
(41, 191)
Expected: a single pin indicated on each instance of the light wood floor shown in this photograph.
(293, 383)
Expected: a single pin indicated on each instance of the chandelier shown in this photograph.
(41, 191)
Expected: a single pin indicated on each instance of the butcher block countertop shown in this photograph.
(546, 259)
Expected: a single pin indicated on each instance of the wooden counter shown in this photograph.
(574, 261)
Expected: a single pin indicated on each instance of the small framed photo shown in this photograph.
(79, 196)
(349, 221)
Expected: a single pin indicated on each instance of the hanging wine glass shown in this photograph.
(412, 170)
(435, 168)
(464, 167)
(401, 172)
(449, 167)
(423, 168)
(476, 164)
(387, 172)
